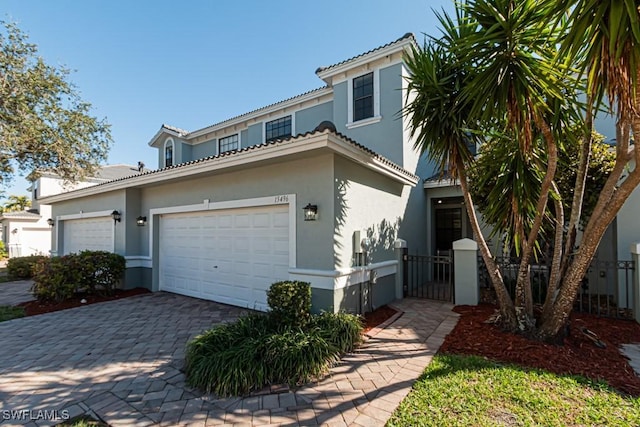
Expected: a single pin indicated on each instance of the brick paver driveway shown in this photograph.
(121, 361)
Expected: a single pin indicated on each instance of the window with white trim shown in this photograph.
(279, 128)
(168, 153)
(228, 143)
(363, 97)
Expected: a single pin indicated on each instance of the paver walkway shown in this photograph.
(121, 361)
(13, 293)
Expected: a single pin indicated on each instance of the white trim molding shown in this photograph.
(343, 278)
(134, 261)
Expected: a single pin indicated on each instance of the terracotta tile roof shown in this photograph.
(239, 152)
(186, 133)
(407, 36)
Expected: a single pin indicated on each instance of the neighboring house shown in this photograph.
(28, 232)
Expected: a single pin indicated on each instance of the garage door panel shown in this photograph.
(233, 255)
(95, 234)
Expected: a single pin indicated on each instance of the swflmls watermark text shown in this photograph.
(31, 415)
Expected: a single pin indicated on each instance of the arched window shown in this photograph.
(168, 153)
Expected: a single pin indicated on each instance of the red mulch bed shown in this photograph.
(578, 355)
(32, 308)
(377, 316)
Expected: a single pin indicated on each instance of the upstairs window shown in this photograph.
(363, 97)
(168, 153)
(228, 143)
(279, 128)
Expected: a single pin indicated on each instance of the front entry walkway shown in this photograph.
(121, 361)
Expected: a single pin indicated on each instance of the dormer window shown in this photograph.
(363, 100)
(228, 143)
(168, 153)
(279, 128)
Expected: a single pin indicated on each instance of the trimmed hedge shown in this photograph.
(89, 272)
(22, 267)
(284, 345)
(290, 302)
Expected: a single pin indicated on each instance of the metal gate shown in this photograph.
(428, 276)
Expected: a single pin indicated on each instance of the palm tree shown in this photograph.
(503, 80)
(606, 35)
(439, 121)
(16, 203)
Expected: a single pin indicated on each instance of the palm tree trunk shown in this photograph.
(524, 305)
(609, 203)
(554, 276)
(579, 188)
(507, 309)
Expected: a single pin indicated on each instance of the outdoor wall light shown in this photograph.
(310, 212)
(117, 217)
(51, 222)
(141, 221)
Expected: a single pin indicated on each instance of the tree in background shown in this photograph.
(43, 122)
(16, 204)
(511, 72)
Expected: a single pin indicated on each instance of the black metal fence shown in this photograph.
(428, 277)
(606, 290)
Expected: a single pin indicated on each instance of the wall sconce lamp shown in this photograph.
(117, 216)
(51, 222)
(141, 221)
(310, 212)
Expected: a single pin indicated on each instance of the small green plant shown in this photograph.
(22, 267)
(3, 250)
(285, 345)
(290, 302)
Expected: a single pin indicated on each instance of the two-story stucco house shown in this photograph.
(224, 215)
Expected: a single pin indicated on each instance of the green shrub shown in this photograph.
(259, 349)
(296, 357)
(56, 279)
(3, 250)
(290, 302)
(22, 267)
(92, 272)
(342, 330)
(101, 271)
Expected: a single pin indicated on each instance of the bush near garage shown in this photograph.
(22, 267)
(290, 302)
(287, 345)
(88, 272)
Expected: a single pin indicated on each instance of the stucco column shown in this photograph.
(465, 263)
(400, 247)
(635, 256)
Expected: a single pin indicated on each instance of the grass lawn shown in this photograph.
(472, 391)
(8, 312)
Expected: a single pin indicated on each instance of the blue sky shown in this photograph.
(194, 63)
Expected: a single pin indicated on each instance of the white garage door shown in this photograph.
(93, 234)
(230, 256)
